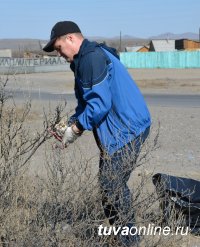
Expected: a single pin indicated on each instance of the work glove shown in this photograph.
(69, 136)
(65, 133)
(60, 128)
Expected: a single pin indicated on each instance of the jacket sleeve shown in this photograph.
(95, 82)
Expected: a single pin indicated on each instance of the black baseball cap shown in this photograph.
(59, 29)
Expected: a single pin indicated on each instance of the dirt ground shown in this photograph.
(149, 80)
(179, 140)
(179, 134)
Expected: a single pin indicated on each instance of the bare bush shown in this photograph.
(64, 208)
(17, 145)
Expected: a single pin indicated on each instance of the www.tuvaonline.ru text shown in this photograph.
(150, 230)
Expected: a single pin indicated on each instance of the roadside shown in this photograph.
(179, 126)
(168, 81)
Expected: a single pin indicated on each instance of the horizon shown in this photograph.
(128, 36)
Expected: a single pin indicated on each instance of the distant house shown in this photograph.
(162, 45)
(137, 49)
(186, 44)
(28, 54)
(5, 53)
(144, 48)
(132, 48)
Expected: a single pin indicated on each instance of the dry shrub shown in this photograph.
(63, 208)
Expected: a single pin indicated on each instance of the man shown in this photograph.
(109, 104)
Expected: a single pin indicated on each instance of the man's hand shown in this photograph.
(66, 134)
(60, 128)
(69, 136)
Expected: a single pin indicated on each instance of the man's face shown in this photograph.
(64, 47)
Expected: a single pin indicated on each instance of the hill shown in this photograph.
(188, 35)
(30, 45)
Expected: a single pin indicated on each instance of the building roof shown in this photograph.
(133, 48)
(163, 45)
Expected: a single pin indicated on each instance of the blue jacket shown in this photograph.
(109, 101)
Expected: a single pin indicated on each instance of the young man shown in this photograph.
(110, 104)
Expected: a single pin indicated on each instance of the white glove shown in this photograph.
(65, 133)
(69, 136)
(60, 128)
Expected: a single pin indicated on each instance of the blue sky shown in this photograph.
(140, 18)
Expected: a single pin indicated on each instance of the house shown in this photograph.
(144, 48)
(162, 45)
(28, 54)
(5, 53)
(137, 49)
(186, 44)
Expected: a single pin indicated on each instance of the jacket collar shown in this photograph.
(85, 48)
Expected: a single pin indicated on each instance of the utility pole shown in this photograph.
(199, 34)
(120, 41)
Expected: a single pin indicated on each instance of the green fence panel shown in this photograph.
(183, 59)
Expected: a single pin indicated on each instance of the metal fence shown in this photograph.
(182, 59)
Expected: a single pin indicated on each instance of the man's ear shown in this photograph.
(70, 37)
